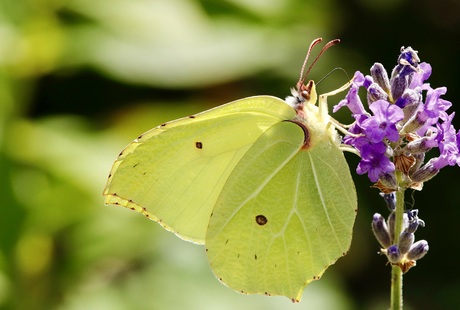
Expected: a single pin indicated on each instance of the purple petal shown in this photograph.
(422, 76)
(352, 100)
(382, 124)
(375, 165)
(448, 144)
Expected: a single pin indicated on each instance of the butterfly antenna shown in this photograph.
(315, 42)
(335, 69)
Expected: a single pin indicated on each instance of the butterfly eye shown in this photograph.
(306, 95)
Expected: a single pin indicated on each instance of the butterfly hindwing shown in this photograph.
(284, 215)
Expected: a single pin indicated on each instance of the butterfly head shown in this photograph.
(302, 94)
(306, 93)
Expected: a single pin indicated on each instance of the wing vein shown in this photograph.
(323, 203)
(260, 187)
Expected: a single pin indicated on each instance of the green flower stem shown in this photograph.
(396, 272)
(396, 288)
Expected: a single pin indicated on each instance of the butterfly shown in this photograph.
(261, 182)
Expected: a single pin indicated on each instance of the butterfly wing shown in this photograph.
(285, 214)
(174, 173)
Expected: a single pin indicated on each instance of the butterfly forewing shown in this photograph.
(174, 173)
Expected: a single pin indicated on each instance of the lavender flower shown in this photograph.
(406, 119)
(352, 99)
(404, 136)
(383, 123)
(375, 164)
(403, 252)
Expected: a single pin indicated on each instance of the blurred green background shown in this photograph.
(80, 79)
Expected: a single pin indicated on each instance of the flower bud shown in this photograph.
(402, 74)
(375, 92)
(406, 240)
(388, 180)
(411, 98)
(380, 76)
(380, 229)
(416, 122)
(419, 159)
(421, 145)
(408, 62)
(418, 250)
(398, 86)
(414, 221)
(393, 254)
(425, 173)
(410, 102)
(390, 200)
